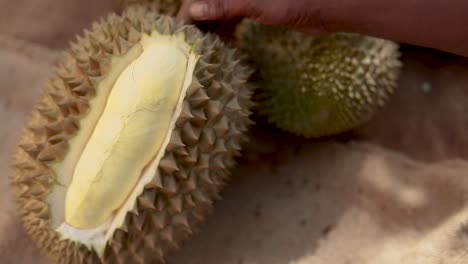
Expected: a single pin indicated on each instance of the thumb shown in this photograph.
(220, 9)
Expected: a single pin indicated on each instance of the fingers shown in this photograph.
(224, 29)
(183, 15)
(303, 15)
(220, 9)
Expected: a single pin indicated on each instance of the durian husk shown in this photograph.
(167, 7)
(318, 86)
(195, 167)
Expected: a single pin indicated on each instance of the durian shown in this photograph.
(167, 7)
(318, 86)
(132, 140)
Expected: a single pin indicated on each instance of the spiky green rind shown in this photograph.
(207, 137)
(166, 7)
(319, 86)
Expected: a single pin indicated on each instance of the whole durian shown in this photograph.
(131, 141)
(318, 86)
(167, 7)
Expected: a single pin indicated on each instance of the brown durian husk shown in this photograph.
(195, 167)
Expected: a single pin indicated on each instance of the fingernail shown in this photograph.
(199, 10)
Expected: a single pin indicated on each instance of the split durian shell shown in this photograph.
(195, 164)
(167, 7)
(318, 86)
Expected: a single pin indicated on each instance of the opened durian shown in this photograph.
(318, 86)
(131, 141)
(167, 7)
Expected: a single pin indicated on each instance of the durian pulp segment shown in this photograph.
(130, 137)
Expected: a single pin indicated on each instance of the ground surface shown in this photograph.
(397, 194)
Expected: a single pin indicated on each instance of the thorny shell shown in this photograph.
(318, 86)
(207, 135)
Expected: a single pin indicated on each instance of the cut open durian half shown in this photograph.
(131, 141)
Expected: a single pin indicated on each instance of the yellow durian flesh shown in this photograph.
(63, 169)
(129, 134)
(133, 130)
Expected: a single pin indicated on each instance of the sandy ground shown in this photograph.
(396, 194)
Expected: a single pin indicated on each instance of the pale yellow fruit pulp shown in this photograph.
(128, 135)
(122, 139)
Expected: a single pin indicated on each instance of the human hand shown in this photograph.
(434, 24)
(301, 15)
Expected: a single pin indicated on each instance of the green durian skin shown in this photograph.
(318, 86)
